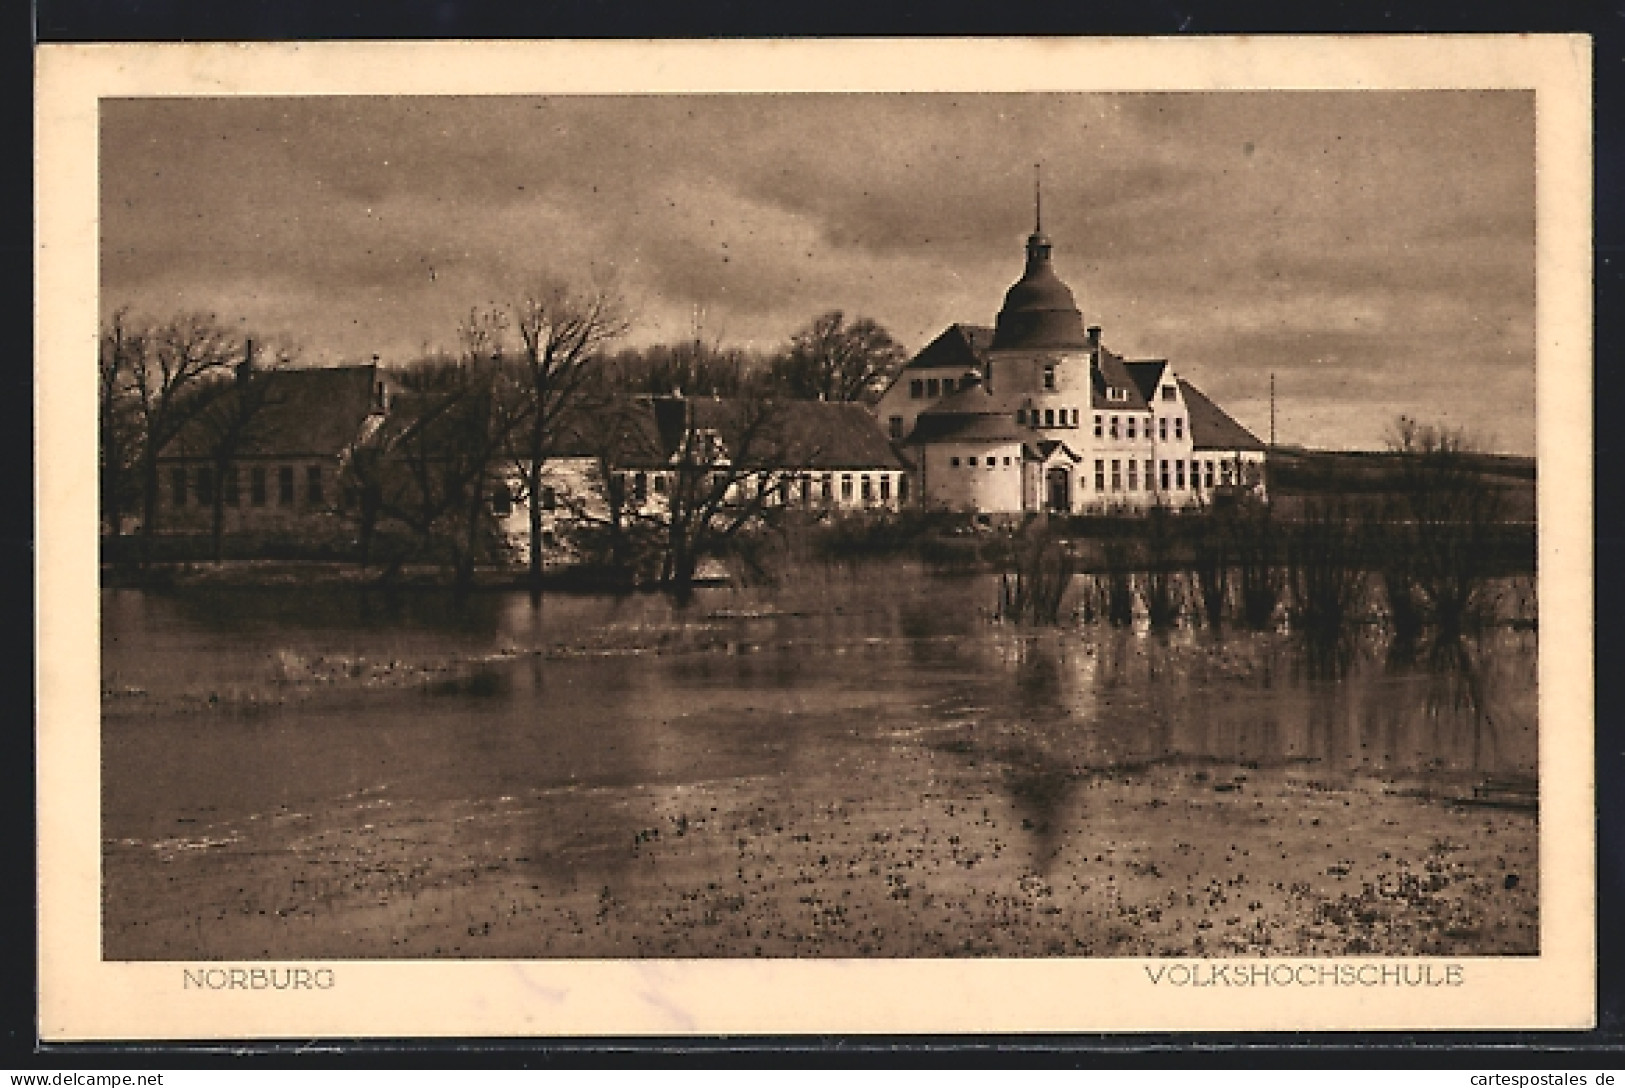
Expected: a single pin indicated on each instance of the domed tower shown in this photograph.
(1039, 312)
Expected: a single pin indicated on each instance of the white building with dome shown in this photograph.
(1037, 414)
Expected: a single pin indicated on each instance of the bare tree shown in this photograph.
(224, 423)
(168, 381)
(831, 360)
(726, 473)
(561, 333)
(1443, 532)
(118, 446)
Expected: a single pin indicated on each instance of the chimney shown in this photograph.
(245, 369)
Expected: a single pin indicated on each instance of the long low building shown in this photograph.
(627, 458)
(1037, 414)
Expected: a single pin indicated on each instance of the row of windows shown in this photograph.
(805, 488)
(186, 485)
(1129, 427)
(1052, 417)
(931, 387)
(1171, 477)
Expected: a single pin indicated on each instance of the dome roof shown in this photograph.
(1039, 311)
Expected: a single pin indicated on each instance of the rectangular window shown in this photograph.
(1113, 429)
(846, 487)
(660, 483)
(1049, 375)
(825, 487)
(1179, 475)
(1207, 472)
(313, 484)
(1149, 476)
(501, 501)
(916, 388)
(895, 426)
(1165, 475)
(640, 488)
(1049, 417)
(550, 497)
(1075, 417)
(177, 486)
(971, 461)
(1007, 462)
(902, 487)
(1162, 428)
(1117, 475)
(947, 386)
(1100, 475)
(205, 486)
(1098, 426)
(256, 486)
(865, 491)
(953, 462)
(284, 485)
(933, 387)
(1134, 475)
(1021, 416)
(885, 487)
(1179, 427)
(1130, 422)
(1168, 392)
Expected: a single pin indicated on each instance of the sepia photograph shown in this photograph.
(892, 525)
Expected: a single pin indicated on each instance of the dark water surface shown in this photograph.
(624, 690)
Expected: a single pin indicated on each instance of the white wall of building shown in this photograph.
(981, 477)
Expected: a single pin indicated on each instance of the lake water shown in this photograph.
(227, 710)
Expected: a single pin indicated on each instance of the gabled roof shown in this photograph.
(1047, 448)
(959, 347)
(1211, 427)
(1111, 372)
(307, 412)
(801, 434)
(1146, 375)
(626, 431)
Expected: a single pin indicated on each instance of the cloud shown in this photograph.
(1389, 235)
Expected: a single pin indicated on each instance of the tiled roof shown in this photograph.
(314, 412)
(1112, 373)
(801, 433)
(1146, 374)
(1211, 427)
(959, 347)
(976, 400)
(964, 427)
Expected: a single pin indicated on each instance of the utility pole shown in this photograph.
(1272, 409)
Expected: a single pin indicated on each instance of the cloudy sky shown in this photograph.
(1374, 251)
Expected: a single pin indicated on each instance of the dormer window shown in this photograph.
(1168, 393)
(1114, 393)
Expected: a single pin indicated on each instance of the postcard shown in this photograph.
(865, 536)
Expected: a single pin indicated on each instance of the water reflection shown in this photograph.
(849, 667)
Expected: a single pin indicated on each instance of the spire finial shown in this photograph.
(1038, 199)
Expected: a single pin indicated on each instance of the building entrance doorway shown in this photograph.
(1058, 491)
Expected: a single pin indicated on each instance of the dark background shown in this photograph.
(157, 20)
